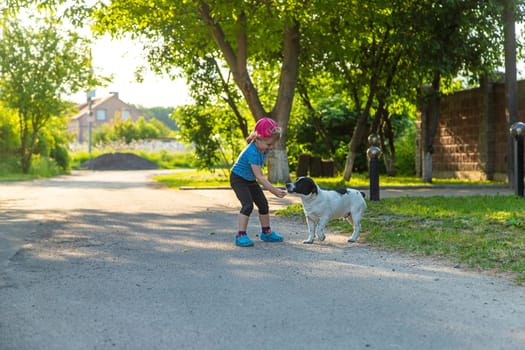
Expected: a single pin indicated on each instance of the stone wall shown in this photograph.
(473, 134)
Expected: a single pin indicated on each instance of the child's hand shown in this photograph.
(278, 192)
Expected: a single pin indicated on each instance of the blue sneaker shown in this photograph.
(243, 241)
(271, 237)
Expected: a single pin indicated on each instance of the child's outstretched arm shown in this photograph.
(257, 171)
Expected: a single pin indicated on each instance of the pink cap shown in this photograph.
(266, 127)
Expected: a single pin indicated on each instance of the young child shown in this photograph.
(245, 173)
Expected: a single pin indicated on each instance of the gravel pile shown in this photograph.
(118, 161)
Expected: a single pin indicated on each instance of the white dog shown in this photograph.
(321, 206)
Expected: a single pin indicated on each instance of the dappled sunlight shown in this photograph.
(175, 244)
(243, 261)
(329, 263)
(518, 334)
(62, 255)
(501, 215)
(337, 269)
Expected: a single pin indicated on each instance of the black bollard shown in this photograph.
(373, 153)
(517, 131)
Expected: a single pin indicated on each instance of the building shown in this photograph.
(105, 110)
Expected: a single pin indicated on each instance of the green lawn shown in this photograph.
(219, 178)
(482, 232)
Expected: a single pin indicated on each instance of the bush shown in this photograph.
(406, 153)
(128, 131)
(44, 167)
(337, 120)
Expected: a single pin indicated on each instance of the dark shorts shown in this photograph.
(249, 192)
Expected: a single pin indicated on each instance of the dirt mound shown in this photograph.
(118, 161)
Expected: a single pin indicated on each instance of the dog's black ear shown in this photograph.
(314, 189)
(341, 190)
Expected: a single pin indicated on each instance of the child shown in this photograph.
(243, 179)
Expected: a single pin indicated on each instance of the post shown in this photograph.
(90, 96)
(373, 153)
(517, 131)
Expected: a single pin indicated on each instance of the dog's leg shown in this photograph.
(355, 234)
(320, 229)
(311, 230)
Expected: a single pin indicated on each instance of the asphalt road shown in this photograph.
(108, 260)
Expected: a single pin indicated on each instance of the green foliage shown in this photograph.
(38, 64)
(161, 114)
(44, 167)
(213, 134)
(368, 52)
(9, 140)
(406, 151)
(128, 131)
(51, 142)
(333, 122)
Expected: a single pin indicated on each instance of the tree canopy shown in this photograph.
(256, 55)
(38, 65)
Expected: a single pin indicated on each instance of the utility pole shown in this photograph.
(90, 96)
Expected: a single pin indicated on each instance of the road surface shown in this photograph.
(109, 260)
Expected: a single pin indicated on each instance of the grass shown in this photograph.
(482, 232)
(219, 178)
(193, 178)
(12, 177)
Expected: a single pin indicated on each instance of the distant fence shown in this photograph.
(152, 145)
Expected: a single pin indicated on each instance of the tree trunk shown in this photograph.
(429, 123)
(278, 169)
(511, 102)
(389, 149)
(427, 167)
(238, 65)
(358, 136)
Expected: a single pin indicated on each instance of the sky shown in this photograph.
(120, 58)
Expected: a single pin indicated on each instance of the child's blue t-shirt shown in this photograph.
(249, 155)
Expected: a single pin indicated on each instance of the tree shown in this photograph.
(237, 35)
(511, 86)
(8, 138)
(373, 54)
(377, 56)
(38, 65)
(462, 38)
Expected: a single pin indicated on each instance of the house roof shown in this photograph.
(83, 107)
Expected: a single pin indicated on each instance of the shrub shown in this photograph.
(406, 153)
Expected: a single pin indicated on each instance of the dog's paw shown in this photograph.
(322, 237)
(308, 241)
(352, 240)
